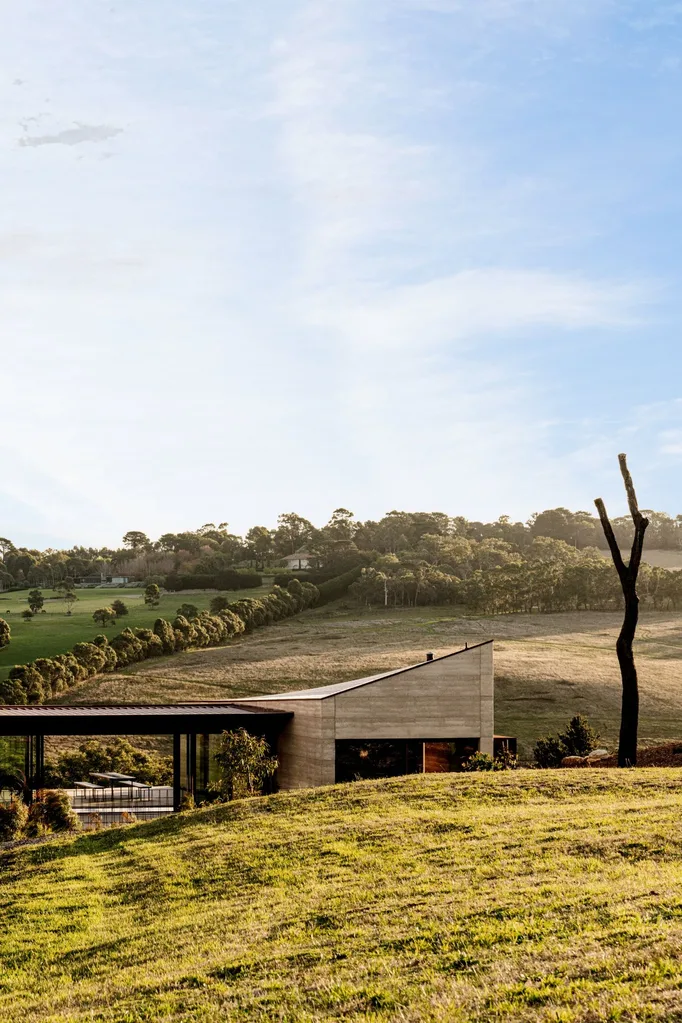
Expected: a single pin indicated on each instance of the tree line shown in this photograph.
(336, 546)
(48, 677)
(495, 577)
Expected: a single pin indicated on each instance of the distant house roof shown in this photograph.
(323, 692)
(301, 553)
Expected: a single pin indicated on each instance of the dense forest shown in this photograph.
(553, 561)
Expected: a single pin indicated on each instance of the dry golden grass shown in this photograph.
(547, 667)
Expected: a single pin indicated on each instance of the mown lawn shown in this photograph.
(533, 896)
(55, 632)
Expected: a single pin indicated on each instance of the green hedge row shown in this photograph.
(48, 677)
(338, 586)
(229, 579)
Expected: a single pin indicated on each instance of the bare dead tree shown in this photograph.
(629, 713)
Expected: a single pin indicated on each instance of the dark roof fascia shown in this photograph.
(62, 720)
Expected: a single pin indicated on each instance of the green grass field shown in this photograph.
(54, 632)
(533, 896)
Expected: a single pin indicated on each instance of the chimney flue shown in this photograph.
(429, 656)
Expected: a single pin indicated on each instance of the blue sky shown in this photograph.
(296, 254)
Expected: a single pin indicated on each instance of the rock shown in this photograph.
(574, 762)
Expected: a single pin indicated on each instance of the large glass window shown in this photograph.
(386, 758)
(377, 758)
(13, 751)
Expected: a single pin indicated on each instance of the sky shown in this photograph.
(303, 254)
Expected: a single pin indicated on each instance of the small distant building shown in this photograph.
(299, 560)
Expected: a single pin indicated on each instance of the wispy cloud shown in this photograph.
(340, 238)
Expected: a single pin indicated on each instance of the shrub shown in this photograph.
(245, 762)
(35, 825)
(185, 633)
(5, 633)
(228, 579)
(104, 616)
(152, 595)
(549, 751)
(578, 739)
(13, 818)
(164, 630)
(479, 762)
(188, 611)
(119, 608)
(219, 604)
(504, 761)
(31, 682)
(57, 812)
(90, 656)
(234, 626)
(12, 692)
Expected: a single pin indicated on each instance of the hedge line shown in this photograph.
(229, 579)
(338, 586)
(47, 677)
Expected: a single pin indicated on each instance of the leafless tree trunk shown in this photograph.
(629, 715)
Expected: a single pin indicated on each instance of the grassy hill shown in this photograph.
(532, 896)
(55, 632)
(547, 667)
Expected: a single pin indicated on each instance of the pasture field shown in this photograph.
(525, 897)
(55, 633)
(671, 560)
(547, 667)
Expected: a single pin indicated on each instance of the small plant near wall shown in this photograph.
(13, 819)
(504, 761)
(245, 762)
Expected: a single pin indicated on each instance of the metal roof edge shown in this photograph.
(358, 683)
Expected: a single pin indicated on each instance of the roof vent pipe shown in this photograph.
(429, 656)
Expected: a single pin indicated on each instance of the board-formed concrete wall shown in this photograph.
(306, 749)
(448, 698)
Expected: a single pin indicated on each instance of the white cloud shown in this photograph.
(466, 306)
(301, 276)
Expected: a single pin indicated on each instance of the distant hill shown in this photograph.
(430, 898)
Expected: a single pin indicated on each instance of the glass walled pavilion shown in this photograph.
(194, 727)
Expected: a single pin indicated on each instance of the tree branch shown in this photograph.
(630, 490)
(611, 539)
(640, 522)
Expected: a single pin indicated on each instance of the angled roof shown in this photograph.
(323, 692)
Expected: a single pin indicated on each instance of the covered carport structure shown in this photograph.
(194, 727)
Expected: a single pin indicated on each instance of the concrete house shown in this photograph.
(427, 717)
